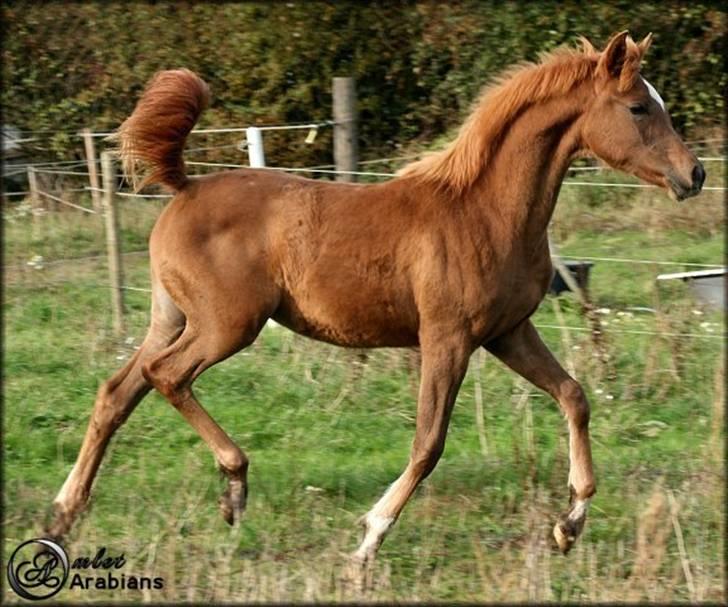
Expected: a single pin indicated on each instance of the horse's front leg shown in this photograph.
(445, 356)
(524, 352)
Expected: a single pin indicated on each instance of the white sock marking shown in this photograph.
(62, 496)
(654, 94)
(579, 510)
(378, 522)
(381, 506)
(377, 527)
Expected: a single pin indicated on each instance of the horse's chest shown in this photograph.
(511, 296)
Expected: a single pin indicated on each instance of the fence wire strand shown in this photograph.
(65, 202)
(65, 168)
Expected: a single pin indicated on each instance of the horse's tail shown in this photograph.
(156, 131)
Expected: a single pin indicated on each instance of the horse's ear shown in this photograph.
(586, 47)
(613, 57)
(645, 44)
(620, 61)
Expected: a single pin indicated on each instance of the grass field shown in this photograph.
(326, 433)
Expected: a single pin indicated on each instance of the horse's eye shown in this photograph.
(638, 110)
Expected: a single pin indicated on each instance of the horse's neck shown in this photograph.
(519, 187)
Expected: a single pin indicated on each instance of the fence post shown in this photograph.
(93, 174)
(112, 241)
(256, 152)
(34, 201)
(346, 152)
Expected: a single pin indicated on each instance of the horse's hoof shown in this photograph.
(59, 526)
(232, 502)
(355, 573)
(564, 537)
(566, 531)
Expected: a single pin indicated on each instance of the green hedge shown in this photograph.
(418, 66)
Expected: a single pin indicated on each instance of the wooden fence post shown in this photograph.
(346, 149)
(34, 201)
(93, 174)
(113, 245)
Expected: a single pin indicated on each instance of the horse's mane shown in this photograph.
(499, 104)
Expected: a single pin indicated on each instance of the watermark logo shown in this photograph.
(38, 569)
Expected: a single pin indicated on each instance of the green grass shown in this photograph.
(73, 234)
(326, 435)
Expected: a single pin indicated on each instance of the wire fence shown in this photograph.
(65, 202)
(680, 335)
(42, 168)
(71, 169)
(634, 332)
(233, 129)
(323, 171)
(651, 262)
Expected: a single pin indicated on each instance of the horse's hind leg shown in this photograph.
(204, 342)
(116, 399)
(524, 352)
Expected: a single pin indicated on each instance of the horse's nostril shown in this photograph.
(698, 176)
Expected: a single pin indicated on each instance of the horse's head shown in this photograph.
(627, 124)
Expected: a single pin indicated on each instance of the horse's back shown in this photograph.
(327, 260)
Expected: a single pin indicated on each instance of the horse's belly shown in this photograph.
(348, 319)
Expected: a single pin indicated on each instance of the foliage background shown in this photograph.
(418, 65)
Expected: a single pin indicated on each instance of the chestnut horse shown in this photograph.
(450, 255)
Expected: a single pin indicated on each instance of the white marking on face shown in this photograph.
(654, 94)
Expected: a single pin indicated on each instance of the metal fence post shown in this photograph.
(256, 152)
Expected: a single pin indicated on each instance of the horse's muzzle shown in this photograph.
(681, 191)
(698, 176)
